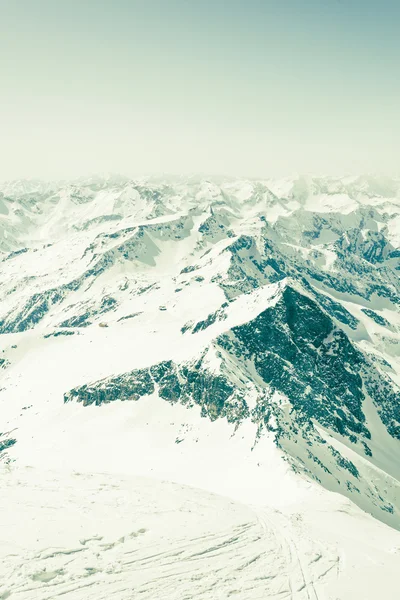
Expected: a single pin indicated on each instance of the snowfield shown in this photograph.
(199, 389)
(101, 536)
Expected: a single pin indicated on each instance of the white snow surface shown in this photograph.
(148, 499)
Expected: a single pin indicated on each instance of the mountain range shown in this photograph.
(201, 340)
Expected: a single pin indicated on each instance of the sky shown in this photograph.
(256, 88)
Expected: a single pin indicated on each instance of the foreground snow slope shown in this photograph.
(237, 337)
(85, 536)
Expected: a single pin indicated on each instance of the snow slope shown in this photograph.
(118, 537)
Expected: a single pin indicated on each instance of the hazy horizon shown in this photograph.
(256, 88)
(84, 178)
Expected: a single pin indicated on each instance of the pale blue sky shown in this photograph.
(241, 87)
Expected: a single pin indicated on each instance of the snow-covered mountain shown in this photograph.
(241, 337)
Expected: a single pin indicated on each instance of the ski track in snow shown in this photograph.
(147, 540)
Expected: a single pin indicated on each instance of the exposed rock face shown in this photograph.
(296, 349)
(5, 444)
(190, 384)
